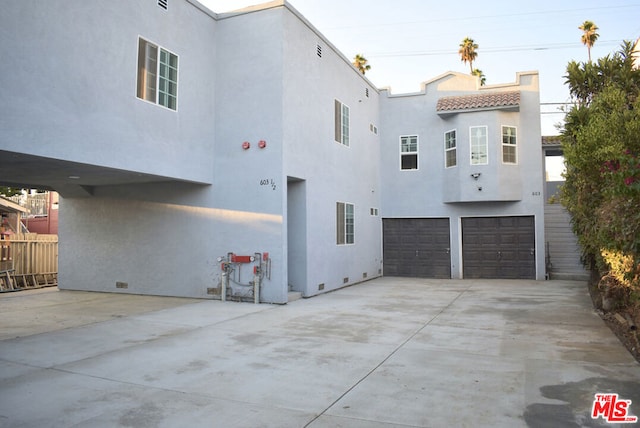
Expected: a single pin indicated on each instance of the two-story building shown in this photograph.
(176, 137)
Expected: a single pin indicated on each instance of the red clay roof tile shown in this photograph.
(468, 102)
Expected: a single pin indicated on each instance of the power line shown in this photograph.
(522, 48)
(476, 18)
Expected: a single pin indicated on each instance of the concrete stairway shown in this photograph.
(562, 245)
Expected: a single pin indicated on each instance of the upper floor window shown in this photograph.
(157, 75)
(479, 150)
(509, 147)
(341, 123)
(450, 155)
(345, 223)
(409, 152)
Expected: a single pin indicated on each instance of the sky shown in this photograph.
(407, 42)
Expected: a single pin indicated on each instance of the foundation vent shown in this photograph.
(364, 274)
(122, 284)
(345, 280)
(321, 286)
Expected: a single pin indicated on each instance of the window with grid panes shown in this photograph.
(157, 75)
(509, 146)
(450, 149)
(409, 152)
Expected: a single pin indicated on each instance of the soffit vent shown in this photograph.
(163, 4)
(319, 50)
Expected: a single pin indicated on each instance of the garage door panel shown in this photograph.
(498, 247)
(417, 247)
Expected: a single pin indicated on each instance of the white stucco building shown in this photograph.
(176, 136)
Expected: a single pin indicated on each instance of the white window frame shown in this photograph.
(513, 145)
(453, 149)
(345, 223)
(477, 159)
(157, 81)
(410, 152)
(341, 114)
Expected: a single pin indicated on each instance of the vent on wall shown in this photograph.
(163, 4)
(319, 50)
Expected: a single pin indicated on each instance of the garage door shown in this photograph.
(498, 247)
(416, 247)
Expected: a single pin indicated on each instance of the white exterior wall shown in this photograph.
(507, 190)
(71, 91)
(331, 172)
(249, 108)
(165, 238)
(244, 77)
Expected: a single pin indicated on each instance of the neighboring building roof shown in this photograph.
(490, 100)
(552, 141)
(7, 206)
(635, 54)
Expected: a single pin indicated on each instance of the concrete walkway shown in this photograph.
(391, 352)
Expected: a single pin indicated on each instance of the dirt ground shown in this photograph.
(618, 322)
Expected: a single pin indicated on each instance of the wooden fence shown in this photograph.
(32, 262)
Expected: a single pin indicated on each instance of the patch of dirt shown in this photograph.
(624, 323)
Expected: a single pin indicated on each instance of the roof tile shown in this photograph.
(469, 102)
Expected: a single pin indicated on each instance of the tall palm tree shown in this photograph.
(360, 62)
(589, 35)
(468, 52)
(480, 74)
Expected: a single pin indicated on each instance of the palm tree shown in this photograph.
(589, 35)
(468, 52)
(480, 74)
(360, 62)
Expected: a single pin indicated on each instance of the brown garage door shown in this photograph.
(416, 247)
(498, 247)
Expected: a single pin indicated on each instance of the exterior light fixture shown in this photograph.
(246, 145)
(262, 144)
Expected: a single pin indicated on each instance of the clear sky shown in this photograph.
(410, 41)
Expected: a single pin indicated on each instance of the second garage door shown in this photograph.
(416, 247)
(498, 247)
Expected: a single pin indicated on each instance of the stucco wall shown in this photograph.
(70, 92)
(332, 172)
(507, 190)
(165, 238)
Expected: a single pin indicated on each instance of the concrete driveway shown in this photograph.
(391, 352)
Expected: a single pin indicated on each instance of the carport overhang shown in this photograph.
(69, 179)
